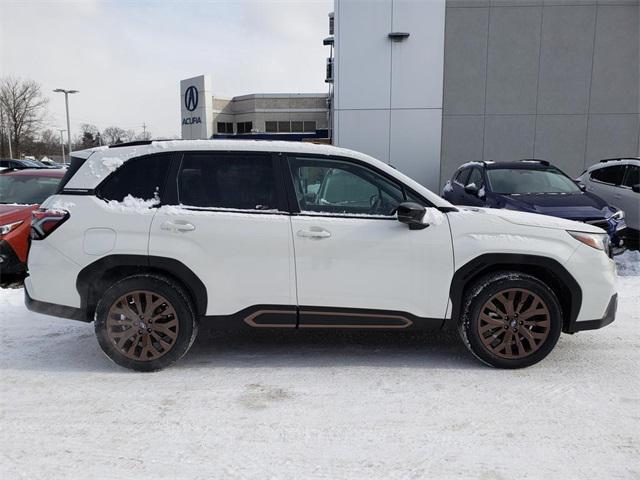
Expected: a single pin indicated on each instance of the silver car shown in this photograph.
(617, 181)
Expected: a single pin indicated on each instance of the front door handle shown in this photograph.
(178, 226)
(314, 232)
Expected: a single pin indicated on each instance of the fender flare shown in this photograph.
(489, 262)
(94, 271)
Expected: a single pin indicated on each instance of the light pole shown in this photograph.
(62, 144)
(66, 102)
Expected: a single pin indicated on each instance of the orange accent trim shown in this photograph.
(250, 320)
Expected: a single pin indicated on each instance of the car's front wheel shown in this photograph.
(145, 322)
(510, 320)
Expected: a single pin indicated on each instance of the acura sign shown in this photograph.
(197, 117)
(191, 98)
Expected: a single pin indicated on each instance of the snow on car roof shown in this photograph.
(101, 161)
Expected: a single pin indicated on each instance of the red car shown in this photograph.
(21, 192)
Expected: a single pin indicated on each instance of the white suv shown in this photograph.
(617, 181)
(154, 238)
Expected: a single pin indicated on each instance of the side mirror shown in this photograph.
(472, 189)
(581, 186)
(636, 188)
(412, 214)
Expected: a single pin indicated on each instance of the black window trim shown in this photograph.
(624, 174)
(282, 207)
(293, 201)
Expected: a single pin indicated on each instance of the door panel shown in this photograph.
(352, 253)
(229, 227)
(243, 259)
(373, 264)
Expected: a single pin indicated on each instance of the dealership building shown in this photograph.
(428, 85)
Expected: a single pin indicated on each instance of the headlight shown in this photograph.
(4, 229)
(619, 215)
(599, 241)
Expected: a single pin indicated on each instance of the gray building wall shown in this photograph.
(552, 79)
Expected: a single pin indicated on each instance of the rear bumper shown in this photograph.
(609, 317)
(54, 310)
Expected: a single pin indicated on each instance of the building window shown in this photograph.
(309, 126)
(271, 127)
(284, 127)
(225, 127)
(297, 126)
(244, 127)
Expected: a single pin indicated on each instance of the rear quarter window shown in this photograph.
(142, 177)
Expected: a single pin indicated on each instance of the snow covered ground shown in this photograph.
(298, 405)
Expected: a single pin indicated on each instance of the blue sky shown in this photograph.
(127, 57)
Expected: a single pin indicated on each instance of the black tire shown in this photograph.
(182, 319)
(484, 346)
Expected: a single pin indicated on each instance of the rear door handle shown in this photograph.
(314, 232)
(178, 226)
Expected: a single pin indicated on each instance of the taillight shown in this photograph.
(44, 221)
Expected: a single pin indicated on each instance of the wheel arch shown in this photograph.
(97, 276)
(546, 269)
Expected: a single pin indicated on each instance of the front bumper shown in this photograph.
(9, 261)
(609, 317)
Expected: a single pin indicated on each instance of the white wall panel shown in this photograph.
(364, 130)
(418, 62)
(415, 145)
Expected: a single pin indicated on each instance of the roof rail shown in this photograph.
(542, 162)
(131, 144)
(613, 159)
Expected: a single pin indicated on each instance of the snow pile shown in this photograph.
(112, 163)
(61, 205)
(628, 263)
(133, 204)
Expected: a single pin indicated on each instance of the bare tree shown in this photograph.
(23, 108)
(112, 135)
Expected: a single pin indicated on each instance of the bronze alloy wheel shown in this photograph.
(142, 325)
(514, 323)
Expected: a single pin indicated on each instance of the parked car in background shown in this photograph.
(20, 164)
(21, 192)
(151, 240)
(533, 186)
(617, 180)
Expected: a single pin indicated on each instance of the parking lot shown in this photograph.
(318, 405)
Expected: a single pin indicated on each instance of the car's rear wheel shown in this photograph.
(145, 322)
(510, 320)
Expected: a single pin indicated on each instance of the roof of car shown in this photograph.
(34, 172)
(521, 164)
(101, 161)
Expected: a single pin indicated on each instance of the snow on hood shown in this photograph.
(534, 219)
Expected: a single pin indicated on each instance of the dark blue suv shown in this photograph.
(531, 186)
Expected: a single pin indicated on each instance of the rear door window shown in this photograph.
(244, 181)
(142, 178)
(612, 175)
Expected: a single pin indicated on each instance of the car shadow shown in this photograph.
(77, 350)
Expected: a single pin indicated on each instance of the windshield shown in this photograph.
(28, 190)
(518, 180)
